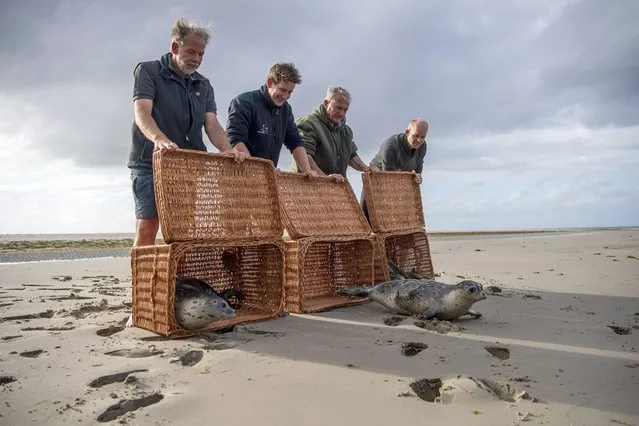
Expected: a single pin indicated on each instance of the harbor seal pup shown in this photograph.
(422, 297)
(197, 304)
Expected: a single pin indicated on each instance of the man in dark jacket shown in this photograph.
(402, 152)
(261, 121)
(172, 102)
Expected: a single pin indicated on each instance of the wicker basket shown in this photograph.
(317, 267)
(409, 250)
(393, 200)
(315, 207)
(256, 268)
(204, 196)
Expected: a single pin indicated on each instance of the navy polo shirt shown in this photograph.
(179, 107)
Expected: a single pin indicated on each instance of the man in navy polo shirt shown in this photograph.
(172, 102)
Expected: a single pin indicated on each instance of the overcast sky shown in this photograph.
(533, 105)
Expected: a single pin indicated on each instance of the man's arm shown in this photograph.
(218, 138)
(358, 164)
(300, 157)
(237, 125)
(216, 133)
(295, 144)
(420, 167)
(309, 136)
(314, 165)
(143, 95)
(212, 126)
(389, 157)
(142, 113)
(355, 161)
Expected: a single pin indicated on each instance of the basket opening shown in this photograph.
(330, 265)
(255, 271)
(410, 252)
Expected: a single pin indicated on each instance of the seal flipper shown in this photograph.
(429, 313)
(474, 314)
(396, 273)
(354, 291)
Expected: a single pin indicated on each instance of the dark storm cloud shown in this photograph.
(465, 66)
(593, 60)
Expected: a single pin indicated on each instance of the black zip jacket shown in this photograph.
(262, 126)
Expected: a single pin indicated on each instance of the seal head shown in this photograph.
(197, 304)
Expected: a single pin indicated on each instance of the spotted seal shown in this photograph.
(423, 297)
(197, 304)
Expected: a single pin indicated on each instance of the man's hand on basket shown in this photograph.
(311, 173)
(372, 169)
(337, 177)
(418, 178)
(164, 143)
(237, 154)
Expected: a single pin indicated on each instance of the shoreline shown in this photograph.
(21, 242)
(26, 251)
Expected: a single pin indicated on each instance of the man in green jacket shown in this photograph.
(328, 139)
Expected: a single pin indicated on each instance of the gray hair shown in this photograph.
(416, 122)
(338, 90)
(182, 28)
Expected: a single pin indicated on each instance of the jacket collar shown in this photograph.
(403, 141)
(320, 112)
(267, 98)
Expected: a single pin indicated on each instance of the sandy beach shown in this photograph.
(557, 344)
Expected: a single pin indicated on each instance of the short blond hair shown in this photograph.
(284, 71)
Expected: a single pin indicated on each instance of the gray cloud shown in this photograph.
(465, 66)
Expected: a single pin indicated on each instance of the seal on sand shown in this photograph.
(422, 297)
(196, 304)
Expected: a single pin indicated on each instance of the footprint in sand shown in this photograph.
(413, 348)
(128, 405)
(393, 321)
(441, 327)
(449, 389)
(498, 352)
(109, 331)
(32, 354)
(113, 378)
(531, 296)
(7, 379)
(620, 330)
(190, 358)
(62, 278)
(219, 346)
(7, 338)
(46, 314)
(134, 353)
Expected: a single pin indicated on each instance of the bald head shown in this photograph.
(416, 132)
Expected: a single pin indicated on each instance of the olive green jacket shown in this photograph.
(330, 145)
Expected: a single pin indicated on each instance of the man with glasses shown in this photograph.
(402, 152)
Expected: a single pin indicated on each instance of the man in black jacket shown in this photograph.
(261, 121)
